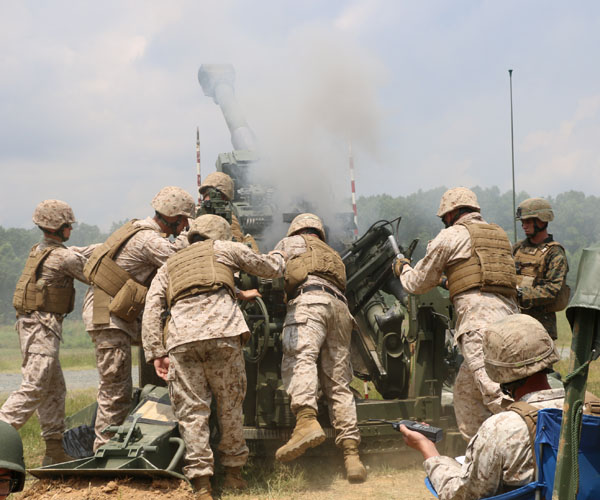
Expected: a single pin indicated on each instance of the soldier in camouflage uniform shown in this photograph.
(120, 270)
(12, 465)
(43, 297)
(476, 257)
(200, 352)
(219, 187)
(316, 344)
(518, 354)
(542, 266)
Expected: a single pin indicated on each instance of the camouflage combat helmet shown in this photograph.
(516, 347)
(456, 198)
(172, 200)
(11, 454)
(210, 226)
(52, 214)
(307, 220)
(535, 208)
(220, 181)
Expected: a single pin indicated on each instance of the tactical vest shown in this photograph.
(530, 261)
(490, 268)
(320, 260)
(529, 414)
(109, 279)
(32, 294)
(195, 270)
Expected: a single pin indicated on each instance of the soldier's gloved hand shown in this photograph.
(399, 263)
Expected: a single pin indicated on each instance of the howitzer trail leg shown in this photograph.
(307, 434)
(355, 470)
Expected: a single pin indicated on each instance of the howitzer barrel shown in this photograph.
(217, 81)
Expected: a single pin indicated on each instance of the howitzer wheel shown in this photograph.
(257, 318)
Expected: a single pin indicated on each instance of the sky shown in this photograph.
(100, 101)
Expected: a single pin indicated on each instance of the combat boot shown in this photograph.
(233, 479)
(202, 487)
(307, 434)
(355, 470)
(55, 453)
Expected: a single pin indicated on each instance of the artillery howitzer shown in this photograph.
(401, 342)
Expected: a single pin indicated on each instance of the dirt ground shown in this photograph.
(381, 485)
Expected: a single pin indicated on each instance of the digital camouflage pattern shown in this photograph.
(316, 350)
(535, 208)
(172, 201)
(205, 357)
(203, 316)
(543, 291)
(199, 371)
(52, 214)
(304, 221)
(146, 251)
(220, 181)
(455, 198)
(498, 457)
(43, 387)
(475, 395)
(210, 226)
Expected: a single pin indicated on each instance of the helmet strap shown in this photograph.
(170, 225)
(60, 232)
(537, 229)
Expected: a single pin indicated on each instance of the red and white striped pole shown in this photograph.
(198, 176)
(353, 187)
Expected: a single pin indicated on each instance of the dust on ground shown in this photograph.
(381, 485)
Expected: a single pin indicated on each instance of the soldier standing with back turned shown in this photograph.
(542, 266)
(476, 257)
(199, 353)
(43, 297)
(120, 271)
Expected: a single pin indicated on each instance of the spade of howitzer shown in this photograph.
(434, 434)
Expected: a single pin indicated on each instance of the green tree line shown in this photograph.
(576, 226)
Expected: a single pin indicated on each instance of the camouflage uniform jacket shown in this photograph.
(207, 315)
(295, 245)
(498, 457)
(474, 309)
(534, 298)
(141, 256)
(59, 269)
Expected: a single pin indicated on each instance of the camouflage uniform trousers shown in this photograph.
(476, 396)
(197, 372)
(316, 349)
(113, 360)
(43, 386)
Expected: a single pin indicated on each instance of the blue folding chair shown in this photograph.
(546, 444)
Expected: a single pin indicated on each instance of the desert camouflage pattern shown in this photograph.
(455, 198)
(113, 361)
(498, 458)
(535, 208)
(304, 221)
(213, 227)
(43, 387)
(204, 316)
(542, 292)
(51, 214)
(199, 371)
(172, 201)
(146, 251)
(316, 351)
(220, 181)
(475, 395)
